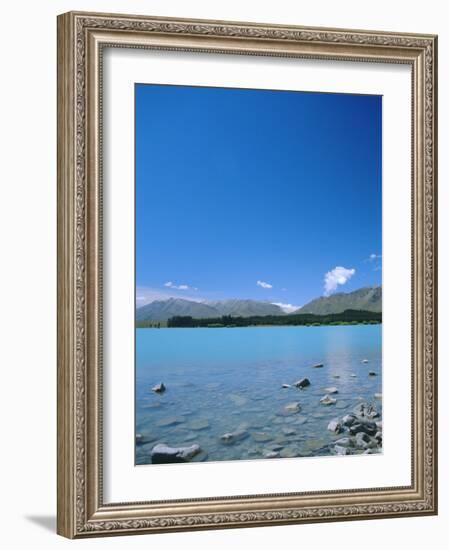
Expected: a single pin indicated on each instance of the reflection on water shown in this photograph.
(230, 380)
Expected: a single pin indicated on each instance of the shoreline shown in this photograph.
(137, 326)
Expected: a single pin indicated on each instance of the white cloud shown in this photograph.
(263, 284)
(287, 308)
(373, 257)
(338, 276)
(169, 284)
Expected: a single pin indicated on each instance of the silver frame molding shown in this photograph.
(81, 39)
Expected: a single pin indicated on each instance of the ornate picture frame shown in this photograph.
(82, 39)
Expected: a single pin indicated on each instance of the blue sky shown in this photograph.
(269, 195)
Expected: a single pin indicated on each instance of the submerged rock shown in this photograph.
(199, 424)
(302, 383)
(159, 388)
(275, 447)
(327, 400)
(163, 453)
(288, 452)
(169, 421)
(139, 439)
(238, 399)
(262, 437)
(288, 431)
(233, 437)
(271, 454)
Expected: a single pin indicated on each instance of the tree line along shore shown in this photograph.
(347, 317)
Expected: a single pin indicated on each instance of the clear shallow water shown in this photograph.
(223, 380)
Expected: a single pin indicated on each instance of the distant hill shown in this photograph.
(161, 310)
(366, 299)
(245, 308)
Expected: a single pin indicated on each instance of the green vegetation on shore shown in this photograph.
(347, 317)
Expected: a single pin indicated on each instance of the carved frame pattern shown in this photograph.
(81, 37)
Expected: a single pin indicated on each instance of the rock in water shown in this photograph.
(168, 421)
(331, 390)
(303, 383)
(232, 437)
(334, 426)
(366, 410)
(345, 442)
(328, 400)
(238, 400)
(163, 454)
(199, 424)
(372, 373)
(341, 450)
(271, 454)
(365, 361)
(318, 366)
(362, 440)
(262, 437)
(293, 407)
(286, 385)
(139, 439)
(348, 420)
(159, 388)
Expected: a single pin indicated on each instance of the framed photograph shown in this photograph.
(247, 313)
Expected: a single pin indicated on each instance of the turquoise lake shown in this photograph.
(230, 379)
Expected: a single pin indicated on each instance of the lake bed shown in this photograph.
(222, 381)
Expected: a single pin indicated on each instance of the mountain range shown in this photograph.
(367, 299)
